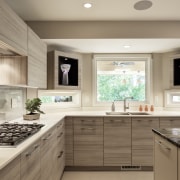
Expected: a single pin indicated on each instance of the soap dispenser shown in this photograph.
(113, 107)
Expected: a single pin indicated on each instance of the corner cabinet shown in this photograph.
(117, 141)
(13, 30)
(37, 61)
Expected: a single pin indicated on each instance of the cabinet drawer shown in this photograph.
(169, 122)
(83, 121)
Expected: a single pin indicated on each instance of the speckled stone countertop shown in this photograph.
(170, 134)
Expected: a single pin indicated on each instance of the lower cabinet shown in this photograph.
(88, 141)
(58, 152)
(47, 143)
(11, 171)
(169, 122)
(142, 140)
(69, 142)
(30, 163)
(117, 141)
(166, 160)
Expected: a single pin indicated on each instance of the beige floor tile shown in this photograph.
(108, 175)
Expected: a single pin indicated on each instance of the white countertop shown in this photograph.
(8, 154)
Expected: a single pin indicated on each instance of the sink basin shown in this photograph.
(139, 113)
(117, 113)
(127, 113)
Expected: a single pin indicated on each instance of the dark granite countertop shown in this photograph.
(170, 134)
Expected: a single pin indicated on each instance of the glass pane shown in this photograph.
(55, 99)
(119, 79)
(176, 98)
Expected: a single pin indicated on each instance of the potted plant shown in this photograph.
(33, 106)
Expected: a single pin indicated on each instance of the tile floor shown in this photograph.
(108, 175)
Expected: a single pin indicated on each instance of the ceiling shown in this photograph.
(102, 10)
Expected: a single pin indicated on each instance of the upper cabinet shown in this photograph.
(37, 61)
(13, 30)
(64, 70)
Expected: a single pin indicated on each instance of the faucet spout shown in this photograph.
(125, 106)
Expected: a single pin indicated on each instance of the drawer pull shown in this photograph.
(61, 153)
(59, 125)
(60, 135)
(29, 153)
(163, 145)
(88, 128)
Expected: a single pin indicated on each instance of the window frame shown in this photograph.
(131, 57)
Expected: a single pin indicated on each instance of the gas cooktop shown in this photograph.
(11, 134)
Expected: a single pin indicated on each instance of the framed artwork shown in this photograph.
(67, 71)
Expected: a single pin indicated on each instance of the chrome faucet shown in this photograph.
(125, 106)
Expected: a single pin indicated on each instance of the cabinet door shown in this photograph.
(13, 30)
(165, 160)
(142, 140)
(48, 142)
(88, 141)
(69, 144)
(30, 163)
(169, 122)
(117, 141)
(37, 61)
(11, 171)
(58, 152)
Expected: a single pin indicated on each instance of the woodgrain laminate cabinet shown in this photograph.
(142, 140)
(30, 163)
(13, 70)
(88, 141)
(117, 141)
(11, 171)
(69, 141)
(59, 152)
(169, 122)
(48, 142)
(37, 61)
(165, 160)
(13, 30)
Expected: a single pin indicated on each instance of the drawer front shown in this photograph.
(169, 122)
(88, 121)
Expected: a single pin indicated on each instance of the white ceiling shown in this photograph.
(102, 10)
(72, 10)
(115, 45)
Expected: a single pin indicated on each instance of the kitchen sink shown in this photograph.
(127, 113)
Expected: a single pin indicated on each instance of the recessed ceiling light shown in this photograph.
(126, 46)
(87, 5)
(142, 5)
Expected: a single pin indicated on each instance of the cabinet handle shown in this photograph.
(59, 125)
(29, 153)
(61, 153)
(60, 135)
(163, 145)
(88, 128)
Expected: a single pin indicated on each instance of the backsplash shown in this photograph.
(11, 103)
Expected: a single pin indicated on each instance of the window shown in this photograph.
(120, 76)
(60, 98)
(172, 98)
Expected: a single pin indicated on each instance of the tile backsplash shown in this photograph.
(11, 103)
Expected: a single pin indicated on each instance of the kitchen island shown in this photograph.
(167, 154)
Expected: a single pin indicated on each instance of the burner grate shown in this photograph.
(12, 134)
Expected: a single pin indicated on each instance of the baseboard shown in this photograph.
(108, 168)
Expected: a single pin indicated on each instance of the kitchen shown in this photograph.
(161, 80)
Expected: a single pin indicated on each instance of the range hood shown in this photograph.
(6, 50)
